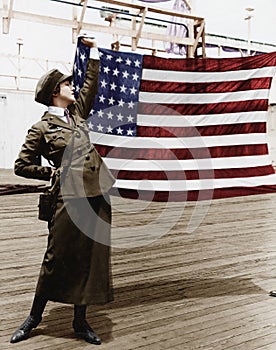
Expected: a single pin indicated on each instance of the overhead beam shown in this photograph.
(8, 7)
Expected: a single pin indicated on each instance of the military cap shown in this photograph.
(47, 85)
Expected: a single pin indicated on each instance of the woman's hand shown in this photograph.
(91, 42)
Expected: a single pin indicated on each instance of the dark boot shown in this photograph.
(24, 330)
(82, 328)
(31, 321)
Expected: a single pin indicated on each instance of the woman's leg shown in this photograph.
(31, 321)
(82, 328)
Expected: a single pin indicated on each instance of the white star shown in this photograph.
(106, 70)
(109, 129)
(90, 126)
(77, 88)
(101, 98)
(82, 57)
(130, 132)
(111, 101)
(119, 59)
(137, 63)
(121, 103)
(100, 53)
(133, 91)
(123, 88)
(135, 76)
(130, 104)
(100, 113)
(125, 74)
(103, 83)
(120, 117)
(109, 115)
(130, 118)
(113, 86)
(119, 131)
(115, 72)
(100, 127)
(79, 72)
(109, 57)
(75, 67)
(92, 111)
(128, 62)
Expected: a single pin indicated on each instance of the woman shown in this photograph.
(76, 264)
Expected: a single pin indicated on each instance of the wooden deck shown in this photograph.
(203, 290)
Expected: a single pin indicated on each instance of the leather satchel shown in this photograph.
(46, 205)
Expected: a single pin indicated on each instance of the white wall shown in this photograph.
(18, 111)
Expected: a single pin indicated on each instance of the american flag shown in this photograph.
(182, 129)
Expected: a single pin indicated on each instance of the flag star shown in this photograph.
(109, 129)
(100, 54)
(119, 131)
(137, 63)
(109, 115)
(128, 62)
(82, 57)
(75, 67)
(90, 126)
(120, 117)
(121, 103)
(100, 113)
(113, 86)
(125, 74)
(103, 83)
(115, 72)
(77, 88)
(106, 70)
(92, 111)
(130, 118)
(111, 101)
(101, 98)
(109, 57)
(79, 73)
(130, 104)
(119, 59)
(100, 127)
(130, 132)
(135, 76)
(133, 91)
(123, 88)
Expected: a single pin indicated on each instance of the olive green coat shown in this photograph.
(76, 265)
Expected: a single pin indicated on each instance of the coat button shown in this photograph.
(87, 157)
(93, 168)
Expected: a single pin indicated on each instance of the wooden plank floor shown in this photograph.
(200, 290)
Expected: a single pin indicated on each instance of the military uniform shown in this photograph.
(76, 265)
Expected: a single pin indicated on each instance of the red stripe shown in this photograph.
(212, 130)
(217, 87)
(198, 109)
(182, 196)
(173, 154)
(194, 174)
(210, 64)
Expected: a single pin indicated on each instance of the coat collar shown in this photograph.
(55, 120)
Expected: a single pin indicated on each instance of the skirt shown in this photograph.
(76, 268)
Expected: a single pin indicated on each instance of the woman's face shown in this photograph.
(66, 93)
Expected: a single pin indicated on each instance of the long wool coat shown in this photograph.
(76, 264)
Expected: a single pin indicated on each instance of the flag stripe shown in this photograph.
(203, 109)
(179, 142)
(201, 120)
(215, 87)
(201, 130)
(187, 164)
(184, 153)
(193, 174)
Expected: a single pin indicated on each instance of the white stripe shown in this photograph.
(202, 77)
(201, 120)
(194, 98)
(189, 185)
(187, 164)
(177, 142)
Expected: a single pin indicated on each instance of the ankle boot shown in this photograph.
(24, 330)
(82, 328)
